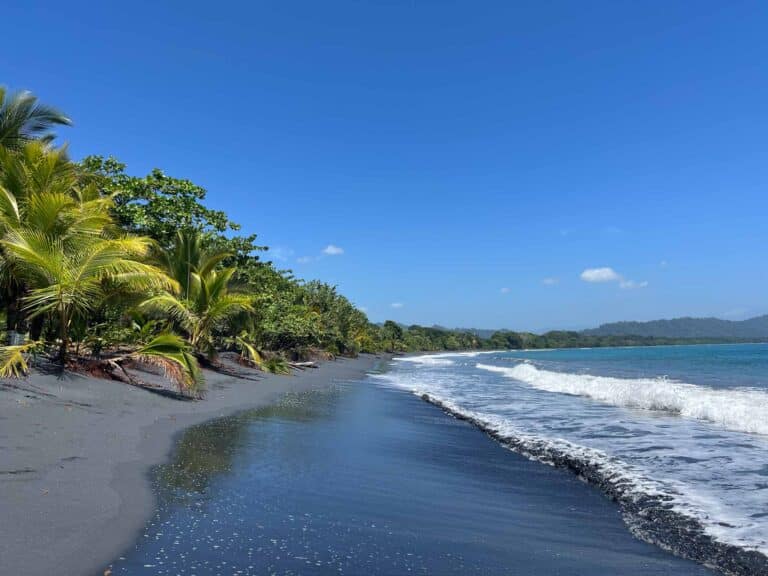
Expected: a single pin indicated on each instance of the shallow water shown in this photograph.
(365, 479)
(686, 426)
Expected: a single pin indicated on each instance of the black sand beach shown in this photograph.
(75, 452)
(358, 479)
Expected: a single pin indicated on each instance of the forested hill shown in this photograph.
(688, 328)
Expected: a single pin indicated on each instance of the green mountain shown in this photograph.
(688, 328)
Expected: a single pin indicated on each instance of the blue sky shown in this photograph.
(493, 164)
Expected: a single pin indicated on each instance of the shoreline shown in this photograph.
(650, 520)
(78, 447)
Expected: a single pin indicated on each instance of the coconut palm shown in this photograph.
(62, 257)
(188, 260)
(208, 308)
(203, 304)
(71, 276)
(36, 183)
(23, 118)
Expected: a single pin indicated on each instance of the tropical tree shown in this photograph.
(202, 305)
(23, 118)
(62, 257)
(58, 242)
(71, 276)
(392, 332)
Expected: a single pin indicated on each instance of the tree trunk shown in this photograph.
(64, 336)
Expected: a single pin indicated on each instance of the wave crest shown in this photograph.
(738, 410)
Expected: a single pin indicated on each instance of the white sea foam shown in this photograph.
(432, 360)
(735, 409)
(441, 359)
(715, 477)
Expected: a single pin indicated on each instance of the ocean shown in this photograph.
(677, 435)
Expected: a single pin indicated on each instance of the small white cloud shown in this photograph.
(396, 305)
(551, 281)
(607, 274)
(332, 250)
(304, 259)
(505, 290)
(281, 253)
(363, 309)
(600, 275)
(630, 284)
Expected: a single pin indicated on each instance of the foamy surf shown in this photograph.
(688, 483)
(441, 359)
(738, 410)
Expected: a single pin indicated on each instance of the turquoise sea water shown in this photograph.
(684, 428)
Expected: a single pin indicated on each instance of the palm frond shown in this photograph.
(172, 354)
(23, 118)
(14, 359)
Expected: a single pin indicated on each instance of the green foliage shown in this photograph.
(59, 244)
(159, 206)
(276, 365)
(24, 119)
(174, 356)
(203, 305)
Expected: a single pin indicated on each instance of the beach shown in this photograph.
(362, 478)
(75, 452)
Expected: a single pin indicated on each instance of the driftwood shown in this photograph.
(303, 365)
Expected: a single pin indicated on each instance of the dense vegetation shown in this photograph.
(102, 271)
(504, 340)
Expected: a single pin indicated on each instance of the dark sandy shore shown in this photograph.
(362, 479)
(75, 451)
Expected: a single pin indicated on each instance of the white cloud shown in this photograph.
(363, 309)
(607, 274)
(630, 284)
(396, 305)
(551, 281)
(505, 290)
(304, 259)
(600, 275)
(280, 253)
(332, 250)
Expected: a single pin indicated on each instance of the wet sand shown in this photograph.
(360, 479)
(75, 452)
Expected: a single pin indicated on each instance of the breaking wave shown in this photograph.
(739, 410)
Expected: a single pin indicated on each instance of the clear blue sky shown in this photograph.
(473, 160)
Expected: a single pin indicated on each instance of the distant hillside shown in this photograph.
(688, 328)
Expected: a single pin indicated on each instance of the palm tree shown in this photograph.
(61, 256)
(203, 303)
(208, 307)
(23, 118)
(188, 260)
(36, 183)
(72, 275)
